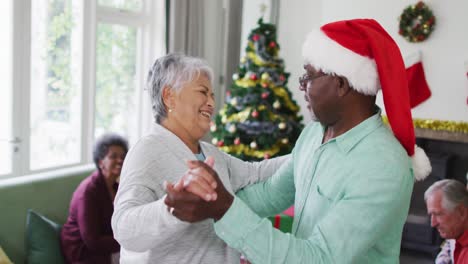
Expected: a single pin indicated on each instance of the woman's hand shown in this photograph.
(188, 206)
(198, 181)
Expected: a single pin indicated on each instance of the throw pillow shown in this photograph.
(42, 240)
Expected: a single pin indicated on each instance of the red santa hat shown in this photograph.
(363, 52)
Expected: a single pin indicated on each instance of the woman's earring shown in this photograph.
(170, 110)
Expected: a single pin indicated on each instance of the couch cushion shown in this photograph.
(42, 239)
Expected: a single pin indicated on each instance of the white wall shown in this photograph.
(444, 53)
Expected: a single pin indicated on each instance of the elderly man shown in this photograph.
(447, 204)
(349, 178)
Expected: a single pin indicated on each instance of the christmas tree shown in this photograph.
(260, 119)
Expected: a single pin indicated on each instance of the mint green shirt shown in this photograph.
(351, 198)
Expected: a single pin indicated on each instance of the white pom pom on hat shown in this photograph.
(363, 52)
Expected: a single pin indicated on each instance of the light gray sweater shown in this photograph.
(146, 231)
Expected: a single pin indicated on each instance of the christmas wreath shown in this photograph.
(417, 22)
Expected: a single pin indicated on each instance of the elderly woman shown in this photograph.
(87, 236)
(181, 93)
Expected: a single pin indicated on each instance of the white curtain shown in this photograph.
(186, 27)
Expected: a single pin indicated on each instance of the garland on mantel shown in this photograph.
(438, 125)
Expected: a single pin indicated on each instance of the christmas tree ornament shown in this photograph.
(232, 129)
(214, 141)
(235, 76)
(237, 141)
(264, 84)
(234, 101)
(282, 125)
(265, 95)
(276, 105)
(213, 128)
(254, 113)
(282, 78)
(220, 143)
(255, 37)
(253, 76)
(266, 156)
(285, 141)
(272, 44)
(265, 76)
(243, 60)
(253, 144)
(224, 119)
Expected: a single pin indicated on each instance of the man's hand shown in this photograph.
(190, 207)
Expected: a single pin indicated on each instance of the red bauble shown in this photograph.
(253, 77)
(237, 141)
(272, 44)
(255, 37)
(220, 143)
(255, 114)
(265, 85)
(266, 156)
(282, 78)
(265, 95)
(228, 93)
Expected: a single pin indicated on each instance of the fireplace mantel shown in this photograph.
(441, 135)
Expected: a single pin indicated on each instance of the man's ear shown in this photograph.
(168, 97)
(343, 86)
(463, 211)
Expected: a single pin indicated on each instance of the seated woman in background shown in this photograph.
(87, 235)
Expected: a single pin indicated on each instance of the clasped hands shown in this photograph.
(199, 194)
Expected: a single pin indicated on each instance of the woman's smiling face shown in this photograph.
(193, 106)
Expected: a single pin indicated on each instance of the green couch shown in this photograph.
(48, 194)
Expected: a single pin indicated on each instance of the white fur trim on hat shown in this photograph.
(421, 164)
(328, 56)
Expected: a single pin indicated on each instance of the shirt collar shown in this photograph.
(349, 139)
(463, 239)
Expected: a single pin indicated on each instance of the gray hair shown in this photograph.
(454, 193)
(172, 71)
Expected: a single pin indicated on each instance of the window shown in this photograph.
(55, 94)
(116, 92)
(78, 72)
(6, 104)
(130, 5)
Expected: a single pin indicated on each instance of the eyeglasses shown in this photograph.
(306, 78)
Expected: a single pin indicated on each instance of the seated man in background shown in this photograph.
(447, 205)
(87, 235)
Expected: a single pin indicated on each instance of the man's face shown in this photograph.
(320, 92)
(448, 223)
